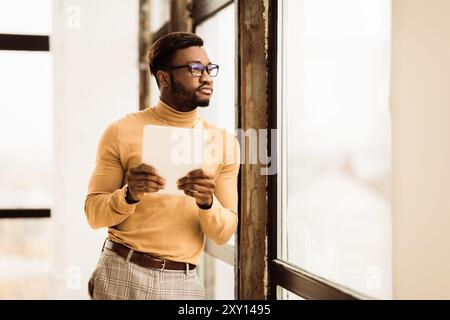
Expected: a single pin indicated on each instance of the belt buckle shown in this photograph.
(164, 263)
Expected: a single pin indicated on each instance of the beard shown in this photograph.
(186, 97)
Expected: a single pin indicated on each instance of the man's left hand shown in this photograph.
(199, 185)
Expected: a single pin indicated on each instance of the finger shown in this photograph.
(200, 181)
(146, 183)
(150, 189)
(199, 198)
(143, 183)
(190, 193)
(153, 178)
(144, 168)
(198, 188)
(143, 175)
(197, 173)
(143, 189)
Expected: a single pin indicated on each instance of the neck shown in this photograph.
(174, 117)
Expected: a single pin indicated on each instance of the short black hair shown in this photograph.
(162, 50)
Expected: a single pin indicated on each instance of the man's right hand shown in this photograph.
(143, 179)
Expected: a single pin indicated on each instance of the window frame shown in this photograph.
(24, 42)
(307, 285)
(24, 213)
(202, 10)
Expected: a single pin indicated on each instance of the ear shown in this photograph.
(163, 78)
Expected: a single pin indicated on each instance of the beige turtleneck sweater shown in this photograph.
(171, 227)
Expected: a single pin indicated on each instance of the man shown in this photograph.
(155, 240)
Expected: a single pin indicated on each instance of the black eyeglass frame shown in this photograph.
(208, 68)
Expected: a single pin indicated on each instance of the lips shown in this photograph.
(206, 90)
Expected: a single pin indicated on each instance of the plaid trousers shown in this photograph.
(114, 278)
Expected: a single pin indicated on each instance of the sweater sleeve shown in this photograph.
(105, 204)
(220, 221)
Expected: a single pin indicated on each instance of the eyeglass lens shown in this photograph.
(197, 69)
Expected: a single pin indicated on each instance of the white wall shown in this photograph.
(420, 100)
(95, 59)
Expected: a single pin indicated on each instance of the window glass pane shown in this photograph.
(218, 32)
(26, 16)
(224, 286)
(232, 241)
(25, 258)
(283, 294)
(26, 124)
(159, 14)
(334, 82)
(218, 278)
(154, 91)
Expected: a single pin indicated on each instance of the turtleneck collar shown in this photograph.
(167, 114)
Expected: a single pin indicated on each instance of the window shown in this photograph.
(334, 218)
(218, 278)
(26, 156)
(26, 130)
(25, 255)
(218, 32)
(159, 14)
(26, 17)
(159, 26)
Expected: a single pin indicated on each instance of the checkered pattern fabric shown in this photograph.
(114, 278)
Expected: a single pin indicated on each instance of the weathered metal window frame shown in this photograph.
(204, 9)
(23, 42)
(143, 45)
(253, 105)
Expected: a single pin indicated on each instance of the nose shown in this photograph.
(205, 77)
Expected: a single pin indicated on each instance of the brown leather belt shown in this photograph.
(146, 260)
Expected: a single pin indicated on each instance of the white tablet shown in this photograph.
(173, 152)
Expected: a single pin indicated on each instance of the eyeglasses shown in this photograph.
(197, 69)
